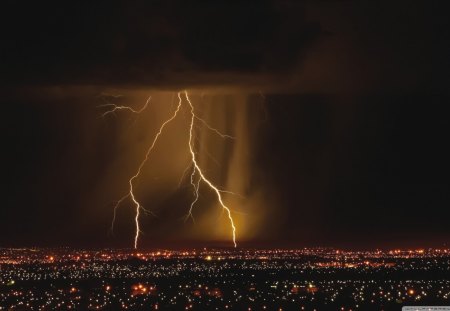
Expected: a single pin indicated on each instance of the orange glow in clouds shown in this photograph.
(197, 175)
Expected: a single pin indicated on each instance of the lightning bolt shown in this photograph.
(200, 172)
(184, 175)
(117, 107)
(196, 169)
(213, 129)
(130, 194)
(195, 186)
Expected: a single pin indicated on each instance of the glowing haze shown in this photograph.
(217, 157)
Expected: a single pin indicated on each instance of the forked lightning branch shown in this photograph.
(197, 175)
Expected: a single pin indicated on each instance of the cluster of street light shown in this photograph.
(51, 279)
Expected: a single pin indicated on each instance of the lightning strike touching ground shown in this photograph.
(130, 193)
(196, 170)
(202, 176)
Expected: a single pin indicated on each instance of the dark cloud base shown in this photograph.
(153, 42)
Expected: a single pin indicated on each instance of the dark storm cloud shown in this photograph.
(320, 46)
(356, 150)
(157, 42)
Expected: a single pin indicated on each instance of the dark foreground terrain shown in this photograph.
(220, 279)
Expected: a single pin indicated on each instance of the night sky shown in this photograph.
(352, 148)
